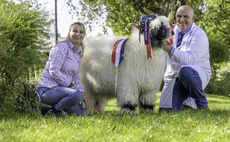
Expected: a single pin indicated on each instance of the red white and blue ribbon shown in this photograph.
(147, 40)
(144, 24)
(117, 57)
(118, 52)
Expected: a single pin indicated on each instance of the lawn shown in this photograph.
(184, 126)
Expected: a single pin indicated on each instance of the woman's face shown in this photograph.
(77, 34)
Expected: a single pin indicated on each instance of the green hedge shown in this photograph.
(221, 83)
(27, 101)
(24, 30)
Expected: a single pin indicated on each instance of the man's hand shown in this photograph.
(166, 46)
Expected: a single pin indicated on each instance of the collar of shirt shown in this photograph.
(185, 32)
(71, 46)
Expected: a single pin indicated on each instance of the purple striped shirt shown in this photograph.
(63, 67)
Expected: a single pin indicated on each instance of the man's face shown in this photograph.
(184, 18)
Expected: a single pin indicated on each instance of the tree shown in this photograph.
(216, 24)
(122, 12)
(216, 18)
(24, 31)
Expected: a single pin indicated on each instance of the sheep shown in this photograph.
(139, 76)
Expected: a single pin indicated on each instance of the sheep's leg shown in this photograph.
(146, 102)
(91, 103)
(100, 105)
(96, 104)
(127, 100)
(128, 109)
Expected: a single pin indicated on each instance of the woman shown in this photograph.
(60, 85)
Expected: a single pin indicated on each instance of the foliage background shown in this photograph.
(24, 32)
(215, 23)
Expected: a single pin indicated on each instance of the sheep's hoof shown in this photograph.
(125, 111)
(147, 108)
(128, 109)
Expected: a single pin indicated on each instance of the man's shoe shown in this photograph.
(204, 109)
(186, 107)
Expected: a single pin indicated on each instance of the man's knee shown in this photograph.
(188, 73)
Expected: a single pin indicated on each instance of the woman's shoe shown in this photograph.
(56, 113)
(44, 109)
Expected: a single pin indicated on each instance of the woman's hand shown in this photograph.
(84, 101)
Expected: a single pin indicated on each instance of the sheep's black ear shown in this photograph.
(163, 32)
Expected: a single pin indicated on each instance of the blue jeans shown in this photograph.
(187, 85)
(62, 98)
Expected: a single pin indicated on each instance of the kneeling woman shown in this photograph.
(60, 84)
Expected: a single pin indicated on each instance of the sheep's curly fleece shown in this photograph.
(139, 78)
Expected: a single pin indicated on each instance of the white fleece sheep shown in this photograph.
(139, 78)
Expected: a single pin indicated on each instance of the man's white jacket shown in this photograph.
(193, 52)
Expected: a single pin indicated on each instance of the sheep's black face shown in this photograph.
(157, 35)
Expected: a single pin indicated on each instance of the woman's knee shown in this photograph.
(77, 96)
(56, 94)
(76, 109)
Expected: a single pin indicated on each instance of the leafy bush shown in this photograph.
(219, 57)
(218, 49)
(220, 84)
(24, 31)
(215, 22)
(27, 101)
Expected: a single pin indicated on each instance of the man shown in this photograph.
(188, 66)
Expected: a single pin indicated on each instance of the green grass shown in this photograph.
(209, 126)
